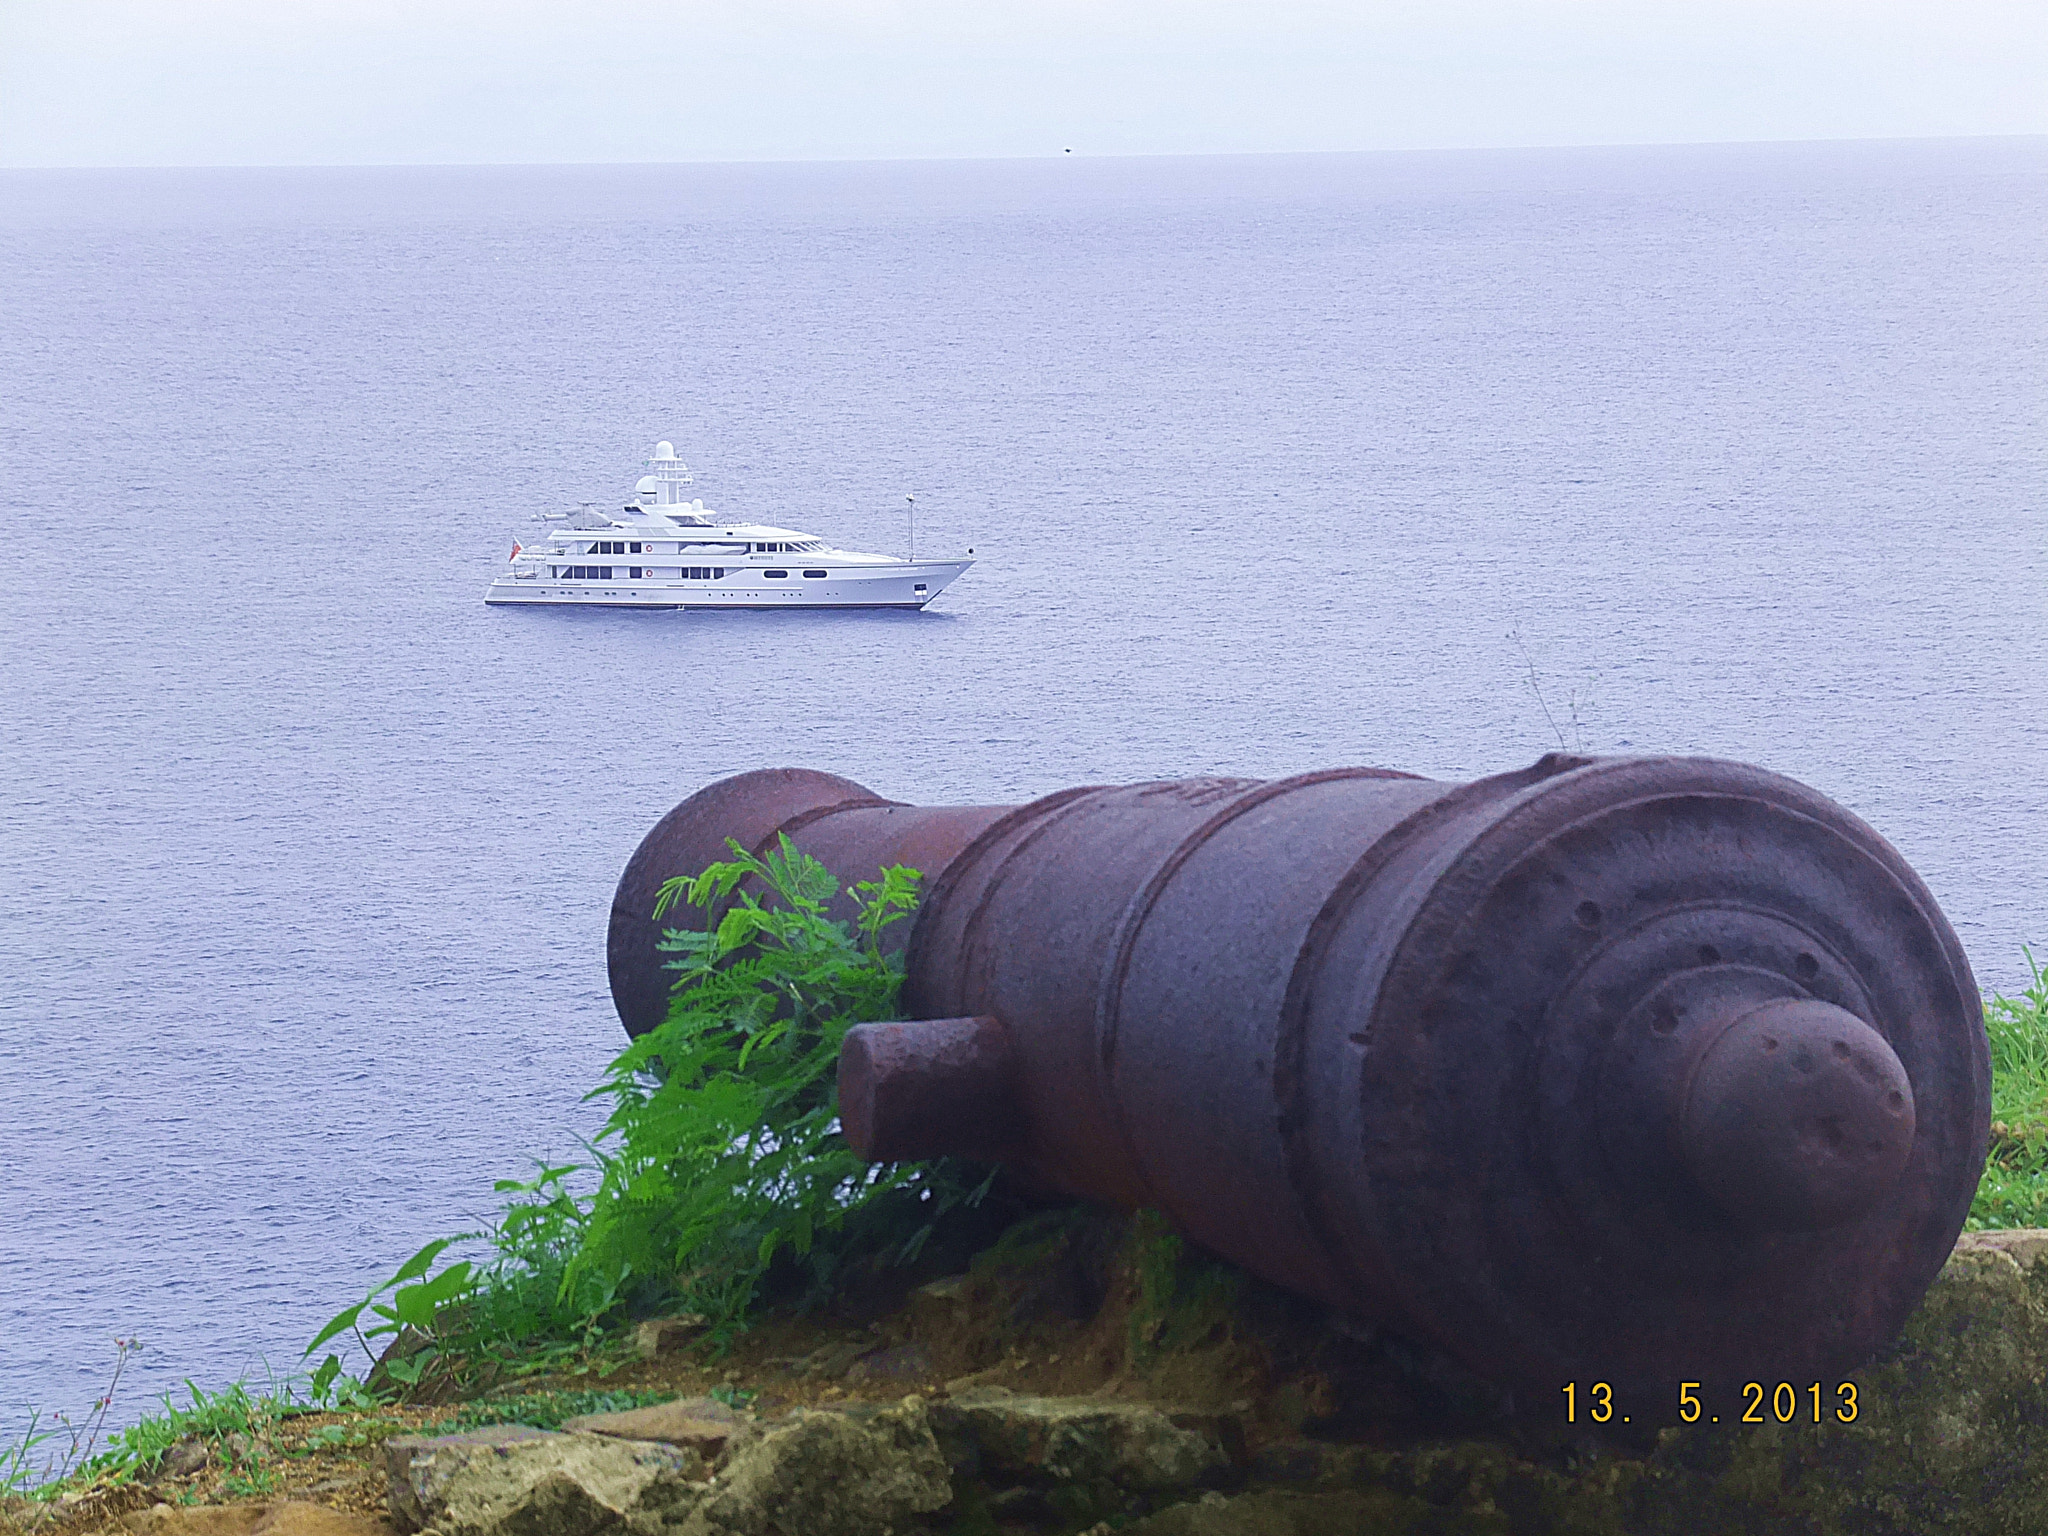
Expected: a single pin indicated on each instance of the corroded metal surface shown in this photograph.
(1638, 1069)
(930, 1088)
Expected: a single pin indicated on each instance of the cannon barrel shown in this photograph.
(1643, 1070)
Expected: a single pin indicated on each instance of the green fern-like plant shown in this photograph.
(722, 1148)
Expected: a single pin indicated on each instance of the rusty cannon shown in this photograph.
(1639, 1070)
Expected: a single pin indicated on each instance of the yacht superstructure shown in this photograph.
(663, 551)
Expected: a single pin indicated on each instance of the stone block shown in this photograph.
(284, 1518)
(826, 1474)
(1078, 1439)
(511, 1481)
(702, 1424)
(660, 1336)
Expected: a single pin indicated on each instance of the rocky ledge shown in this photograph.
(1951, 1435)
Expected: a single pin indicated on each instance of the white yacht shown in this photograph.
(662, 551)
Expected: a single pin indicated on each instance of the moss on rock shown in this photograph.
(1950, 1433)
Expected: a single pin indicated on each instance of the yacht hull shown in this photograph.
(894, 586)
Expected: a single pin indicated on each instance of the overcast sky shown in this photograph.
(292, 82)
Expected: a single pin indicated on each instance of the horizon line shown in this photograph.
(1049, 155)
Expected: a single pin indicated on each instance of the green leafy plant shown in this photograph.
(349, 1434)
(414, 1301)
(719, 1162)
(251, 1482)
(518, 1311)
(2014, 1189)
(721, 1152)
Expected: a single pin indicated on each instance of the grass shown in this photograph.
(236, 1424)
(2014, 1189)
(547, 1410)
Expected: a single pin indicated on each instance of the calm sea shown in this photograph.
(305, 854)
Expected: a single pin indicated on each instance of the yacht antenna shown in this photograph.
(913, 526)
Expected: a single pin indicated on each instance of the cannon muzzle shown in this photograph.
(1637, 1070)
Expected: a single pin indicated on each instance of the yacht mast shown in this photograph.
(670, 473)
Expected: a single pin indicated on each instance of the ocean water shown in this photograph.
(1426, 461)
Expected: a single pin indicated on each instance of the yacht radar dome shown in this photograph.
(664, 449)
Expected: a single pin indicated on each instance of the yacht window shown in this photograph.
(814, 574)
(775, 575)
(633, 571)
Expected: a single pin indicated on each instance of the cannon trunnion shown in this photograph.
(1643, 1070)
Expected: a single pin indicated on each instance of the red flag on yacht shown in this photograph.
(515, 551)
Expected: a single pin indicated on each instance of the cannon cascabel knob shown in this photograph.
(1798, 1117)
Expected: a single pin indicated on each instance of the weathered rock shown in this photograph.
(825, 1474)
(818, 1474)
(510, 1481)
(703, 1424)
(1949, 1438)
(286, 1518)
(904, 1365)
(1285, 1512)
(831, 1361)
(1950, 1433)
(1303, 1461)
(1014, 1505)
(947, 1291)
(660, 1336)
(185, 1457)
(1082, 1440)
